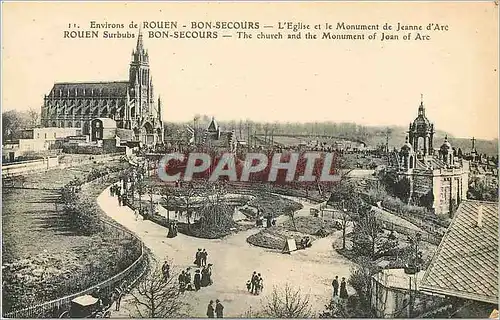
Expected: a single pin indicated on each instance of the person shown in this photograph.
(210, 309)
(343, 289)
(335, 284)
(203, 257)
(252, 281)
(166, 270)
(197, 259)
(197, 280)
(249, 285)
(219, 309)
(182, 281)
(205, 279)
(118, 294)
(97, 294)
(209, 274)
(119, 200)
(187, 277)
(259, 285)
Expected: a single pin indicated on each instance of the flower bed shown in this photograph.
(275, 237)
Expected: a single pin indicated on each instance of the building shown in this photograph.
(465, 264)
(438, 179)
(216, 139)
(391, 292)
(129, 103)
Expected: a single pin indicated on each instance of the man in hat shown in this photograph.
(253, 280)
(203, 256)
(210, 309)
(219, 309)
(197, 258)
(335, 284)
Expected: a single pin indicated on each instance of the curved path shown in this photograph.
(234, 260)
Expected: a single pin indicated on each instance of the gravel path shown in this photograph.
(234, 260)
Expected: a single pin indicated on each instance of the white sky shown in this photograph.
(374, 83)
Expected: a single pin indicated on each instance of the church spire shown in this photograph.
(140, 44)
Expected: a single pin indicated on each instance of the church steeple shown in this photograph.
(140, 45)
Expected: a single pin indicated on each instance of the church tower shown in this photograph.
(140, 81)
(421, 129)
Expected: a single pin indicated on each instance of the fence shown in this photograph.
(391, 226)
(427, 237)
(42, 165)
(133, 273)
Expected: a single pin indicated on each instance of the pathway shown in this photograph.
(234, 260)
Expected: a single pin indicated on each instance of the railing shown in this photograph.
(427, 237)
(134, 272)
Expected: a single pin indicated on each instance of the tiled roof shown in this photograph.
(90, 89)
(465, 264)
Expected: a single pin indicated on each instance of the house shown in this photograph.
(465, 265)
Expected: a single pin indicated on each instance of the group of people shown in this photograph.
(255, 284)
(115, 190)
(305, 242)
(172, 230)
(218, 310)
(200, 258)
(201, 279)
(343, 288)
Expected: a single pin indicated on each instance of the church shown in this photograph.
(437, 175)
(127, 105)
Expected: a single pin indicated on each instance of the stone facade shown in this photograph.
(129, 103)
(434, 173)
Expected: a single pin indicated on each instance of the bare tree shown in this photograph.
(186, 195)
(157, 297)
(34, 117)
(287, 303)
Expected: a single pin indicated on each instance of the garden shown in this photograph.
(53, 245)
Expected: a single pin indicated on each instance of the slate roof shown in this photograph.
(90, 89)
(465, 264)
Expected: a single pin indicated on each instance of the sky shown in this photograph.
(367, 82)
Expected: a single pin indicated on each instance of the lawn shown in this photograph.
(43, 257)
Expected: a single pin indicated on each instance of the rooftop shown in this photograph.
(397, 278)
(90, 89)
(465, 264)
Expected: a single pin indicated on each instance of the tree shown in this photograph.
(187, 197)
(480, 189)
(337, 308)
(33, 117)
(368, 239)
(287, 303)
(360, 280)
(12, 123)
(157, 297)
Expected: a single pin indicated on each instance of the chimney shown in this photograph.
(480, 217)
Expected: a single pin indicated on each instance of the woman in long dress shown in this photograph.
(343, 289)
(205, 281)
